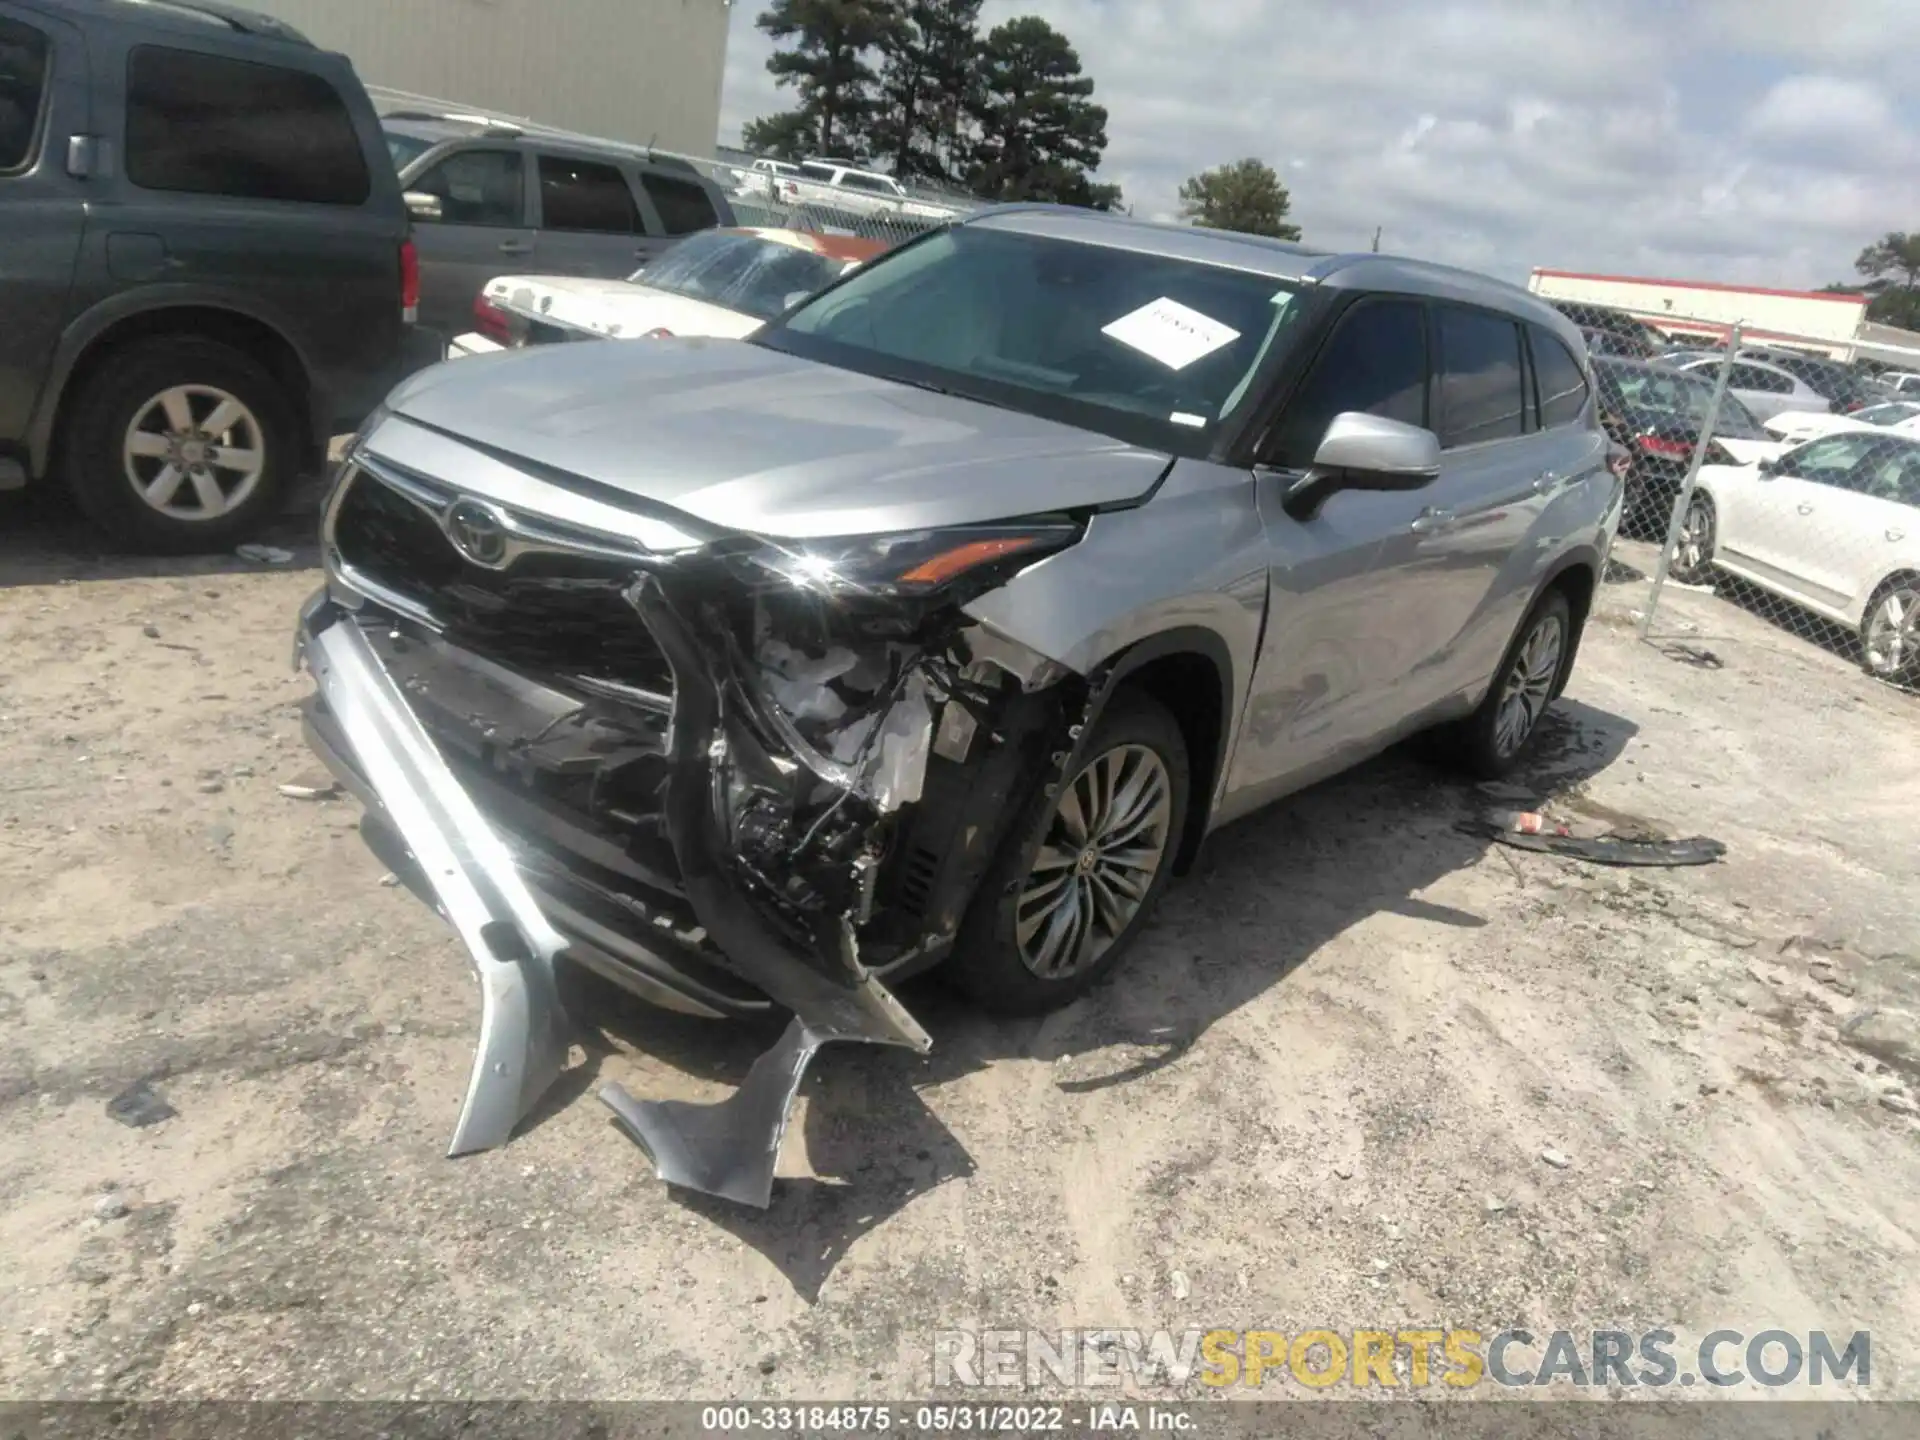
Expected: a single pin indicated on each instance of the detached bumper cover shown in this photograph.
(728, 1149)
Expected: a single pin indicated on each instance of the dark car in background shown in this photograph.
(491, 198)
(1624, 335)
(1656, 413)
(205, 266)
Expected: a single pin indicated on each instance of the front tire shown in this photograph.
(180, 445)
(1078, 879)
(1890, 632)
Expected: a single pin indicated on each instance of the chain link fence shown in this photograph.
(1772, 475)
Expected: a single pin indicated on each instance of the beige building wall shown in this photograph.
(1818, 321)
(645, 71)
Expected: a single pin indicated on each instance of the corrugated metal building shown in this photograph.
(1815, 320)
(646, 71)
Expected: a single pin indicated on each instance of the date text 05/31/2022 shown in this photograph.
(943, 1419)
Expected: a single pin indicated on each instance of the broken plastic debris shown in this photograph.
(265, 554)
(310, 789)
(140, 1105)
(1530, 831)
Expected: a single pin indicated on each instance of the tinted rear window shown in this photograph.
(207, 125)
(23, 83)
(1480, 390)
(683, 205)
(580, 195)
(1563, 389)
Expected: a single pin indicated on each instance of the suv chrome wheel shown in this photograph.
(194, 452)
(1103, 849)
(1529, 684)
(1891, 636)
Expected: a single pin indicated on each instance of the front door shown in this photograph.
(478, 229)
(42, 208)
(1788, 523)
(1336, 617)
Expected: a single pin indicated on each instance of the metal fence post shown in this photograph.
(1685, 498)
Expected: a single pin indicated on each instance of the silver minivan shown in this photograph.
(936, 624)
(488, 198)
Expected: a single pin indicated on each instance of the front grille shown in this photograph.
(549, 614)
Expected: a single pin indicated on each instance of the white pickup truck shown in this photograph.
(858, 192)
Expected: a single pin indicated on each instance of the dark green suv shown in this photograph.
(205, 263)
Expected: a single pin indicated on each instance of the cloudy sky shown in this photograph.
(1748, 141)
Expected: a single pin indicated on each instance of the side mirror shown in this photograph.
(1365, 452)
(1769, 466)
(423, 206)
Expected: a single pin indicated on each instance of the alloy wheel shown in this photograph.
(1528, 685)
(1892, 636)
(1102, 852)
(194, 452)
(1695, 546)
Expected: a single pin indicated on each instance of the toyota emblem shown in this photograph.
(477, 532)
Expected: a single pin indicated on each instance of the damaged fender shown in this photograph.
(524, 1033)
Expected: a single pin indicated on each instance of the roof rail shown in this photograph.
(247, 22)
(426, 107)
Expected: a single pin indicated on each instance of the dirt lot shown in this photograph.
(1319, 1093)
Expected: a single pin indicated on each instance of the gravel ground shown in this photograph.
(1319, 1093)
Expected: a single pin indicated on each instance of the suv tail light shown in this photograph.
(1663, 447)
(491, 321)
(409, 281)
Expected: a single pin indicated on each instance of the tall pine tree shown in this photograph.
(927, 77)
(828, 64)
(1040, 131)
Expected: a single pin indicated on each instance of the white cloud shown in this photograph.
(1725, 139)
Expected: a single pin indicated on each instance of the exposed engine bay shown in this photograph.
(741, 778)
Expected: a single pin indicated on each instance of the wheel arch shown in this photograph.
(1577, 576)
(1900, 574)
(106, 331)
(1189, 671)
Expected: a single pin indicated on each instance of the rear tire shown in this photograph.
(1692, 562)
(1064, 901)
(1492, 740)
(179, 445)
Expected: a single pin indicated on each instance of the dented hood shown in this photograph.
(751, 439)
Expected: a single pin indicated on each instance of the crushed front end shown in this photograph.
(733, 775)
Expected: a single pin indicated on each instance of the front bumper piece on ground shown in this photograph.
(728, 1149)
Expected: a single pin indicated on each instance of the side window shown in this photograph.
(478, 187)
(1830, 461)
(1563, 388)
(1375, 361)
(872, 184)
(207, 125)
(1752, 377)
(23, 86)
(683, 205)
(584, 196)
(1480, 384)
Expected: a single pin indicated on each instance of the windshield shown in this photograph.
(1889, 414)
(1149, 348)
(405, 149)
(748, 273)
(1683, 396)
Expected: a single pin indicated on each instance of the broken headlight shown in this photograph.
(918, 562)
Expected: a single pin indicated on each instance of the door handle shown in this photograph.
(1432, 521)
(1804, 509)
(516, 247)
(1546, 482)
(1896, 535)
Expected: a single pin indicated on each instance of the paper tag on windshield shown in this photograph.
(1174, 334)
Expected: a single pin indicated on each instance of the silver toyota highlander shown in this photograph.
(937, 623)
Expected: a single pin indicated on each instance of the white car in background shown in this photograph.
(1833, 525)
(839, 186)
(1766, 390)
(1899, 417)
(719, 283)
(1902, 382)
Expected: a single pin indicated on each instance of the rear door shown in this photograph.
(589, 218)
(478, 227)
(43, 99)
(248, 181)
